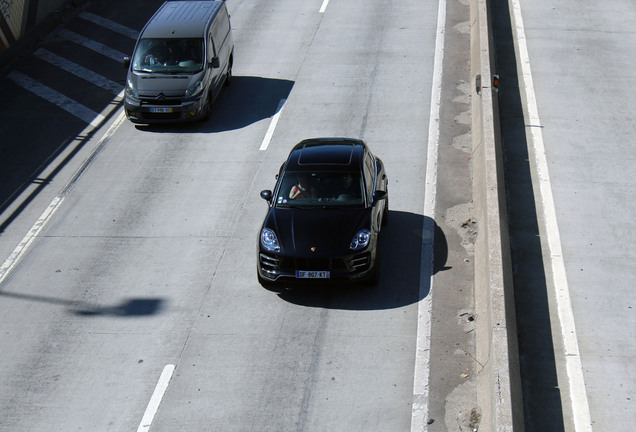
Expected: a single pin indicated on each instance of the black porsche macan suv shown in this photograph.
(325, 214)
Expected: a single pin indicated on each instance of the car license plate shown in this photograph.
(161, 110)
(304, 274)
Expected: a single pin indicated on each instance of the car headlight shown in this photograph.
(194, 89)
(131, 89)
(269, 240)
(360, 240)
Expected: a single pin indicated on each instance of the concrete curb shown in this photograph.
(498, 382)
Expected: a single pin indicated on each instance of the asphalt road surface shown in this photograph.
(128, 291)
(568, 139)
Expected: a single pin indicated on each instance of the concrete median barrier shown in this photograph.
(498, 381)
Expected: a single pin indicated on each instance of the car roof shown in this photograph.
(334, 154)
(182, 19)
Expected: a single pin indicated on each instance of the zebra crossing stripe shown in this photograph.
(57, 98)
(111, 25)
(79, 71)
(92, 45)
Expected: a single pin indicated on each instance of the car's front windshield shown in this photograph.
(320, 189)
(169, 56)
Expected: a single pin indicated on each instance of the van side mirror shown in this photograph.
(126, 62)
(379, 195)
(215, 62)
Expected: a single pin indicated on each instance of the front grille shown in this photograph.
(161, 116)
(162, 102)
(352, 264)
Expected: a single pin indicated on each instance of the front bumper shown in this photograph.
(163, 111)
(352, 268)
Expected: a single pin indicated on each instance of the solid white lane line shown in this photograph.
(156, 398)
(576, 382)
(111, 25)
(92, 45)
(57, 98)
(272, 126)
(419, 410)
(79, 71)
(35, 230)
(323, 8)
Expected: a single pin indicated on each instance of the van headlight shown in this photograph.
(194, 89)
(269, 240)
(131, 89)
(360, 240)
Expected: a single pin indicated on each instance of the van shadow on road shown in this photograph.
(402, 271)
(247, 100)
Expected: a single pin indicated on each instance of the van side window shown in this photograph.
(220, 30)
(214, 54)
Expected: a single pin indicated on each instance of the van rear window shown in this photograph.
(169, 55)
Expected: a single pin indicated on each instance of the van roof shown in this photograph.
(182, 19)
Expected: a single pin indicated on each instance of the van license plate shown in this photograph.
(303, 274)
(161, 110)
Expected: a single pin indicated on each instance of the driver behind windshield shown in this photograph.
(181, 55)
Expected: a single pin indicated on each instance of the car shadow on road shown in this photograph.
(247, 100)
(406, 267)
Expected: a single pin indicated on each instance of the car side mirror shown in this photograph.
(215, 62)
(379, 195)
(267, 195)
(126, 62)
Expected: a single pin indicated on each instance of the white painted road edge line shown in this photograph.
(35, 230)
(419, 410)
(155, 399)
(323, 8)
(576, 383)
(272, 126)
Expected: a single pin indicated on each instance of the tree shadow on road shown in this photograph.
(133, 307)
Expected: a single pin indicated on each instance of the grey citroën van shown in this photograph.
(182, 58)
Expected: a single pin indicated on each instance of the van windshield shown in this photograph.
(169, 56)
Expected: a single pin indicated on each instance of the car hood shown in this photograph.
(328, 231)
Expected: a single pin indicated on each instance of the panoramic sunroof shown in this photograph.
(333, 154)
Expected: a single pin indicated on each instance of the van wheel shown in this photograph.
(228, 76)
(385, 216)
(208, 109)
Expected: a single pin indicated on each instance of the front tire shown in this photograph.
(385, 213)
(208, 109)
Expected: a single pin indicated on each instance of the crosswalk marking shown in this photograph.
(79, 71)
(92, 45)
(62, 101)
(116, 27)
(57, 98)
